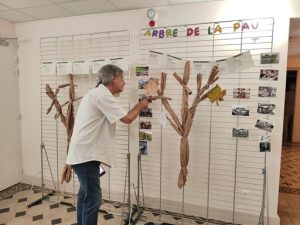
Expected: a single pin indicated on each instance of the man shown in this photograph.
(93, 137)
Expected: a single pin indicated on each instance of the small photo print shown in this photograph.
(264, 143)
(268, 74)
(142, 71)
(143, 84)
(240, 110)
(141, 96)
(266, 108)
(269, 58)
(264, 125)
(240, 132)
(146, 112)
(266, 91)
(143, 148)
(241, 93)
(145, 125)
(145, 136)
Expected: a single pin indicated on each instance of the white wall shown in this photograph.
(30, 33)
(10, 161)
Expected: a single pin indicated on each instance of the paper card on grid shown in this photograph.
(120, 62)
(246, 60)
(97, 65)
(222, 65)
(81, 67)
(155, 59)
(163, 119)
(48, 68)
(64, 68)
(174, 62)
(203, 67)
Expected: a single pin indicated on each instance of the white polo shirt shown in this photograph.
(95, 128)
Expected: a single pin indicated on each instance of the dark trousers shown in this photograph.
(90, 194)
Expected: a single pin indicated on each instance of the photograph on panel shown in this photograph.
(266, 91)
(264, 143)
(240, 110)
(142, 84)
(145, 125)
(145, 136)
(264, 125)
(269, 58)
(266, 108)
(268, 74)
(143, 148)
(141, 96)
(240, 132)
(241, 93)
(142, 71)
(146, 112)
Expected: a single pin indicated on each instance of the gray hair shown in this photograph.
(107, 74)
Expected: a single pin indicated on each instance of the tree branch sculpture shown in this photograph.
(187, 113)
(68, 120)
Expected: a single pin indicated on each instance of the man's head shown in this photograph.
(111, 76)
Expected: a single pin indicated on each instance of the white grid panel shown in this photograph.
(87, 47)
(225, 180)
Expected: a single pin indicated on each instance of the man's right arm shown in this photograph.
(135, 111)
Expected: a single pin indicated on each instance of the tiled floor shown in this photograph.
(289, 197)
(13, 210)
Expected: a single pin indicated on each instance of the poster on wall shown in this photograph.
(81, 67)
(241, 93)
(146, 112)
(64, 68)
(240, 132)
(145, 135)
(269, 58)
(142, 71)
(97, 65)
(268, 74)
(266, 108)
(48, 68)
(264, 125)
(240, 110)
(142, 83)
(143, 148)
(265, 91)
(264, 143)
(157, 59)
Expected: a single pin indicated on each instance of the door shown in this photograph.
(10, 162)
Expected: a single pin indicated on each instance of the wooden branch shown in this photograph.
(160, 97)
(163, 78)
(174, 126)
(178, 78)
(186, 73)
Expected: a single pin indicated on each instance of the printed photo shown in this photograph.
(268, 74)
(143, 84)
(241, 93)
(264, 143)
(142, 71)
(264, 91)
(143, 148)
(266, 108)
(141, 96)
(146, 112)
(240, 132)
(145, 125)
(145, 136)
(240, 110)
(269, 58)
(264, 125)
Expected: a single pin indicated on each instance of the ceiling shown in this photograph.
(17, 11)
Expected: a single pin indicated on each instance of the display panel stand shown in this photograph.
(264, 195)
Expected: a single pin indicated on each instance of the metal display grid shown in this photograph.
(225, 181)
(111, 46)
